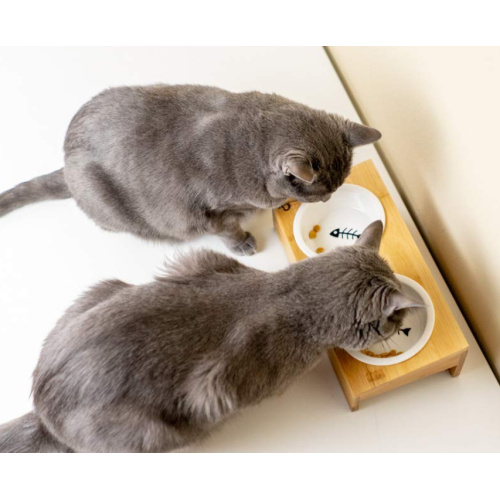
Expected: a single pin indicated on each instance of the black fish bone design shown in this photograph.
(352, 233)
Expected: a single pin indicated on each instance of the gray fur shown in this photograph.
(46, 187)
(156, 367)
(27, 434)
(178, 161)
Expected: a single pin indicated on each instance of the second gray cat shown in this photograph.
(159, 366)
(178, 161)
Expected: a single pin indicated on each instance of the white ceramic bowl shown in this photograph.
(413, 335)
(342, 219)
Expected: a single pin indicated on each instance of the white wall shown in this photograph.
(439, 110)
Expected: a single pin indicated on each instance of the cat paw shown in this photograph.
(247, 247)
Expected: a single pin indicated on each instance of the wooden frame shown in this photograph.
(447, 347)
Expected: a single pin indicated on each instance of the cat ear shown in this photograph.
(360, 135)
(372, 235)
(398, 301)
(299, 168)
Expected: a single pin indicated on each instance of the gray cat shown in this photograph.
(156, 367)
(178, 161)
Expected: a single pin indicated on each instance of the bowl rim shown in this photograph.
(422, 341)
(306, 206)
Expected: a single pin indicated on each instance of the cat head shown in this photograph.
(313, 152)
(361, 296)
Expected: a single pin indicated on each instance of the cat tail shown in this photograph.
(46, 187)
(27, 434)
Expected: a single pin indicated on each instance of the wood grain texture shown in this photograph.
(447, 347)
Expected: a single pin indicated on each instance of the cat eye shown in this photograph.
(316, 165)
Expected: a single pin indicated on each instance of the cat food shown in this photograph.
(320, 250)
(313, 232)
(389, 354)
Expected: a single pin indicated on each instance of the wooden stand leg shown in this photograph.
(455, 371)
(353, 404)
(352, 400)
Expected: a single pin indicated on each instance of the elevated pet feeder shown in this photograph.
(446, 348)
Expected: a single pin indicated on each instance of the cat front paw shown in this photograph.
(246, 247)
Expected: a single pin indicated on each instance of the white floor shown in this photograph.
(50, 252)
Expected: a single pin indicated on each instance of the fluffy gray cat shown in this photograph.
(156, 367)
(178, 161)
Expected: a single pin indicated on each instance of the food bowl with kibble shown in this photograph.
(410, 338)
(320, 227)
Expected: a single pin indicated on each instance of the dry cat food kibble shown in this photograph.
(320, 250)
(389, 354)
(313, 232)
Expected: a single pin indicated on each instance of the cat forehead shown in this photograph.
(312, 131)
(331, 153)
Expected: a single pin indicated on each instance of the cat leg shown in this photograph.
(226, 225)
(238, 241)
(106, 202)
(121, 429)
